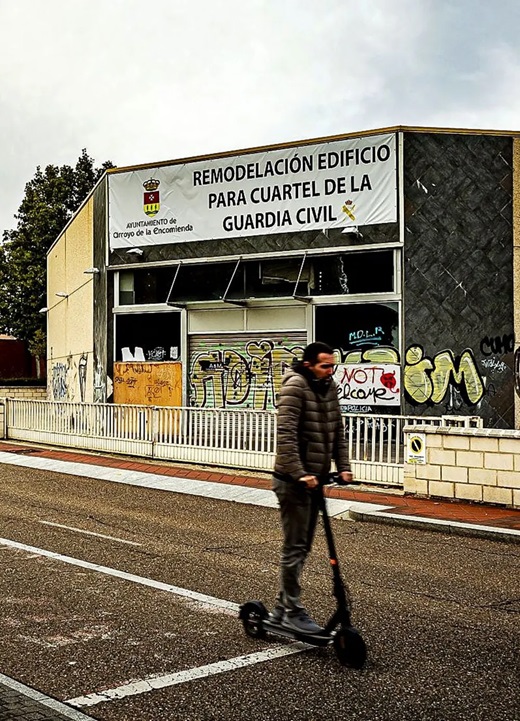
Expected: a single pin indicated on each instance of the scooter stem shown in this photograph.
(342, 613)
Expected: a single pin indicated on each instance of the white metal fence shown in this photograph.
(231, 438)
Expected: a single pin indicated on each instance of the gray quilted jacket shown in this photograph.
(310, 431)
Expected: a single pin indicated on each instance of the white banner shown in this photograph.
(374, 384)
(337, 184)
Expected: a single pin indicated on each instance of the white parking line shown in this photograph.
(200, 599)
(163, 681)
(90, 533)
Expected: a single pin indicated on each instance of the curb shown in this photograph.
(433, 524)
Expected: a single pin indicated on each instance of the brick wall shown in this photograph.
(36, 393)
(469, 464)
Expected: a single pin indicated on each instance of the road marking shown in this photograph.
(163, 681)
(90, 533)
(40, 698)
(200, 599)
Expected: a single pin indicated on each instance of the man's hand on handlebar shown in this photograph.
(345, 477)
(309, 481)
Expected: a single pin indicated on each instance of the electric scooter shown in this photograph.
(348, 643)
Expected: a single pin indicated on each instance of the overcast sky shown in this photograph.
(137, 82)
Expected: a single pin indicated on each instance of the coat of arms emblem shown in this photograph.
(152, 200)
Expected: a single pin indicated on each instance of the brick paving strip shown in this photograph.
(22, 703)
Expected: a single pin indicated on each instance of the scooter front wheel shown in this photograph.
(350, 647)
(252, 614)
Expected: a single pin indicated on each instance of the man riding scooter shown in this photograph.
(309, 436)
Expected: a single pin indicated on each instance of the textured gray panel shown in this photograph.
(458, 272)
(275, 243)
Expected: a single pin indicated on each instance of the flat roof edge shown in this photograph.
(313, 141)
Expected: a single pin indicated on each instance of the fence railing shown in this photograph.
(231, 438)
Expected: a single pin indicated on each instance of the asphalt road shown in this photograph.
(440, 613)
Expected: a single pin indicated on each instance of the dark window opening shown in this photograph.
(277, 278)
(352, 273)
(208, 281)
(358, 326)
(148, 336)
(345, 274)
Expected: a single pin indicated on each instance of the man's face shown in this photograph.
(324, 366)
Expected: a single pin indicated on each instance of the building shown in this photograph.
(198, 281)
(16, 362)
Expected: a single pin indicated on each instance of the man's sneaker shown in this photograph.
(276, 615)
(301, 623)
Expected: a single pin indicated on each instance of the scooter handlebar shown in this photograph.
(335, 478)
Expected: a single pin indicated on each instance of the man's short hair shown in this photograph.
(313, 350)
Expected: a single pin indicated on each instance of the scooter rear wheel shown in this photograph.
(350, 647)
(252, 614)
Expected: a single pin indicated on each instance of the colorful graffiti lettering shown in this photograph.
(248, 377)
(251, 376)
(423, 377)
(381, 354)
(430, 380)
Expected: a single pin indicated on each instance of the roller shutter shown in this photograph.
(240, 370)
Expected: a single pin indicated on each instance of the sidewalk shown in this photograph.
(356, 502)
(22, 703)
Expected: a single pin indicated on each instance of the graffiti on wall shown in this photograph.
(497, 344)
(247, 375)
(69, 379)
(82, 377)
(430, 379)
(374, 383)
(102, 383)
(158, 384)
(517, 371)
(59, 383)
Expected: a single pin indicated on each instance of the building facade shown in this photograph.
(198, 281)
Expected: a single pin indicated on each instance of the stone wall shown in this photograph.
(468, 464)
(35, 393)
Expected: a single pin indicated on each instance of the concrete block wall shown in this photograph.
(35, 393)
(468, 464)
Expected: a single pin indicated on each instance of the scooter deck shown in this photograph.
(313, 640)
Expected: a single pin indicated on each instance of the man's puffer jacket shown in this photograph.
(310, 431)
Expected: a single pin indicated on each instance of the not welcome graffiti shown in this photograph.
(375, 384)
